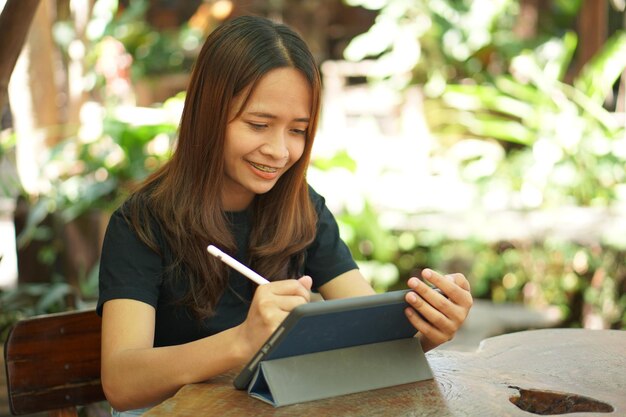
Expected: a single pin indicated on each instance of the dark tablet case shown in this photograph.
(335, 347)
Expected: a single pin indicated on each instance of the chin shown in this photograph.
(263, 190)
(259, 189)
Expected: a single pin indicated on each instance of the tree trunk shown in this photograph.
(593, 23)
(33, 95)
(14, 23)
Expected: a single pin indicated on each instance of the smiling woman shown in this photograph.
(266, 136)
(171, 314)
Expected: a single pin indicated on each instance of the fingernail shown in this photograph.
(427, 273)
(411, 297)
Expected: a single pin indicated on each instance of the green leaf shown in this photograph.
(592, 108)
(600, 74)
(570, 41)
(482, 97)
(497, 128)
(54, 297)
(526, 93)
(36, 215)
(340, 160)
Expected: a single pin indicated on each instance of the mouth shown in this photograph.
(263, 168)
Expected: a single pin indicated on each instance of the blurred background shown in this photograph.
(484, 137)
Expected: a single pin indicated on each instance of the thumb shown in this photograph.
(306, 281)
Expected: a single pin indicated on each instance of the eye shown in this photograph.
(301, 132)
(257, 126)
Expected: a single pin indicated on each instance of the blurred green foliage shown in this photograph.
(34, 299)
(439, 41)
(574, 149)
(154, 52)
(586, 282)
(551, 143)
(96, 173)
(557, 145)
(90, 172)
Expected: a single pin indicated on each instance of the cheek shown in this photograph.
(236, 142)
(296, 149)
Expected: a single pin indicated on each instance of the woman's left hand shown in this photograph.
(435, 316)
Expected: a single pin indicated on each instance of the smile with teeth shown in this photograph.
(263, 168)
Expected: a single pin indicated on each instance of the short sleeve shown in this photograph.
(328, 256)
(128, 267)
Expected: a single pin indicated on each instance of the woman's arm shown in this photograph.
(439, 316)
(135, 374)
(348, 284)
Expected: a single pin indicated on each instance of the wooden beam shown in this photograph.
(526, 25)
(15, 21)
(593, 24)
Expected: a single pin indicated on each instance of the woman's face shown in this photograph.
(267, 138)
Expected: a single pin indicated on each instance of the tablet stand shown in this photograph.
(337, 372)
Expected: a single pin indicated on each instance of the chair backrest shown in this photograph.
(53, 363)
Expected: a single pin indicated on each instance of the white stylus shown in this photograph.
(235, 264)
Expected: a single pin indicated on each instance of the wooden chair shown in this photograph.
(53, 363)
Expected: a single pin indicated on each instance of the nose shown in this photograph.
(276, 146)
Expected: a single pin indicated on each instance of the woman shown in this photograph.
(174, 315)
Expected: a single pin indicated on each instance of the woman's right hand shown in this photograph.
(270, 305)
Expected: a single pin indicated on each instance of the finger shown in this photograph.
(306, 281)
(436, 314)
(460, 280)
(425, 328)
(444, 312)
(281, 298)
(288, 303)
(272, 309)
(287, 287)
(454, 286)
(432, 295)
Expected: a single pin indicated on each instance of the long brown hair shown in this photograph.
(184, 195)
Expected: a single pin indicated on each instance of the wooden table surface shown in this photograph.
(553, 371)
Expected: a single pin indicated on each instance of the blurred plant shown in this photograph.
(586, 283)
(7, 143)
(373, 247)
(34, 299)
(95, 169)
(93, 172)
(508, 120)
(573, 150)
(117, 46)
(438, 41)
(106, 152)
(154, 52)
(481, 81)
(9, 183)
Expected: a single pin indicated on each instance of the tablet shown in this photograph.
(334, 324)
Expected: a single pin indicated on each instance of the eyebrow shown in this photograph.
(271, 116)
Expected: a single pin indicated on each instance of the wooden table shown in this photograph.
(550, 371)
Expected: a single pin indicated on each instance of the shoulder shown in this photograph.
(135, 217)
(318, 201)
(137, 210)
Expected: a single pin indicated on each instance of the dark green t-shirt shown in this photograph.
(129, 269)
